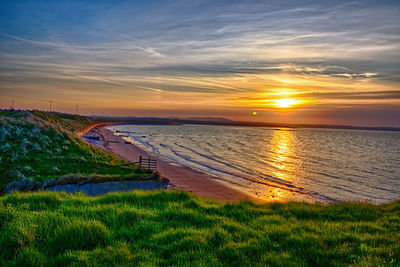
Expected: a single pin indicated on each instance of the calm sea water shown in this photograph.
(328, 164)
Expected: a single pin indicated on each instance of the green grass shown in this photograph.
(42, 146)
(164, 228)
(67, 121)
(176, 228)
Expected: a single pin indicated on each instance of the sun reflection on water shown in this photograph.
(279, 152)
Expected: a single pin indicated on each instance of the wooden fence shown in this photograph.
(146, 163)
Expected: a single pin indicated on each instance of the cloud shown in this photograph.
(374, 95)
(333, 50)
(340, 95)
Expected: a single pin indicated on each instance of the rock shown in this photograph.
(22, 185)
(48, 183)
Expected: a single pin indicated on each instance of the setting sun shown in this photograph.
(284, 102)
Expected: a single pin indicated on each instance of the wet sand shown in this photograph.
(180, 177)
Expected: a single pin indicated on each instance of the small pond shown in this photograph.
(97, 189)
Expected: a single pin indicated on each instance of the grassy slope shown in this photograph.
(175, 228)
(66, 121)
(42, 146)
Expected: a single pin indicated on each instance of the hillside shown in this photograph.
(40, 146)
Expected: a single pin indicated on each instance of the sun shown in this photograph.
(284, 102)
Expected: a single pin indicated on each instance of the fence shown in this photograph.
(147, 163)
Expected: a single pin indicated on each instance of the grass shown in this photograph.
(164, 228)
(177, 228)
(42, 146)
(67, 121)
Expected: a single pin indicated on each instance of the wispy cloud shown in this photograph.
(219, 51)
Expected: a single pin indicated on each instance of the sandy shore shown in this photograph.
(180, 177)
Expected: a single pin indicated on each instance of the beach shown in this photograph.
(273, 165)
(180, 177)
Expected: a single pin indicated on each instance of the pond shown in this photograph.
(97, 189)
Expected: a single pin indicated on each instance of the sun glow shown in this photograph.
(285, 102)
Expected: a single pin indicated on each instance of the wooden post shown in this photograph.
(140, 162)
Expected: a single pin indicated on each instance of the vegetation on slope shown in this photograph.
(176, 228)
(66, 121)
(42, 146)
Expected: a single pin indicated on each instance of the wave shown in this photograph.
(315, 162)
(275, 183)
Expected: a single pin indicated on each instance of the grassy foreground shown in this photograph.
(43, 146)
(176, 228)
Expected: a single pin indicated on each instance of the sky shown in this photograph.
(329, 62)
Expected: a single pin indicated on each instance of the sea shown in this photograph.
(331, 165)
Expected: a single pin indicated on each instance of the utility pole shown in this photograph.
(12, 105)
(50, 104)
(77, 107)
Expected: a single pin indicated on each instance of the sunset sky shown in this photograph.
(331, 62)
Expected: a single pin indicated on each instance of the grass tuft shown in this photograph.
(79, 235)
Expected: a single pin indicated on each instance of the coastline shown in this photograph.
(180, 177)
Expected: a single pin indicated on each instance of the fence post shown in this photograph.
(140, 162)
